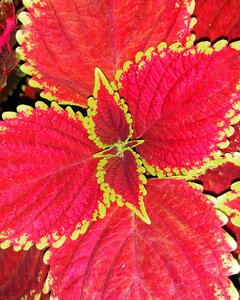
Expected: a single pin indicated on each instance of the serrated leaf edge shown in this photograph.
(88, 121)
(111, 196)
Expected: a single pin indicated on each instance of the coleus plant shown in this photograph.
(121, 184)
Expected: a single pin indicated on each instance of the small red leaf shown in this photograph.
(81, 35)
(234, 145)
(7, 39)
(47, 176)
(183, 254)
(22, 273)
(235, 231)
(229, 203)
(181, 100)
(107, 114)
(217, 19)
(219, 179)
(122, 180)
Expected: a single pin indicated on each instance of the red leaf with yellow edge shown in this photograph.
(121, 178)
(229, 203)
(182, 100)
(235, 231)
(47, 176)
(219, 179)
(217, 19)
(81, 35)
(107, 121)
(234, 140)
(23, 273)
(183, 254)
(7, 39)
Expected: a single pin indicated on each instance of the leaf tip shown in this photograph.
(235, 45)
(100, 79)
(141, 212)
(190, 6)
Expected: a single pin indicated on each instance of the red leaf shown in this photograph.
(235, 231)
(183, 254)
(181, 100)
(81, 35)
(47, 176)
(107, 115)
(229, 203)
(122, 179)
(7, 39)
(219, 179)
(22, 273)
(217, 19)
(234, 145)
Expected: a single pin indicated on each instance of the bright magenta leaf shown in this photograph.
(22, 273)
(217, 19)
(181, 100)
(7, 39)
(47, 176)
(219, 179)
(63, 41)
(183, 254)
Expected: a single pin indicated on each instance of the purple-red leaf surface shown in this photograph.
(47, 176)
(229, 203)
(234, 145)
(181, 100)
(8, 58)
(219, 179)
(183, 254)
(22, 273)
(217, 19)
(63, 41)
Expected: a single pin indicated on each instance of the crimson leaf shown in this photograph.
(81, 35)
(47, 176)
(182, 100)
(183, 254)
(217, 19)
(22, 273)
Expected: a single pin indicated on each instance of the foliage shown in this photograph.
(119, 179)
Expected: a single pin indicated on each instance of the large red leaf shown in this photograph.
(181, 100)
(217, 19)
(7, 39)
(183, 254)
(63, 41)
(23, 273)
(47, 176)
